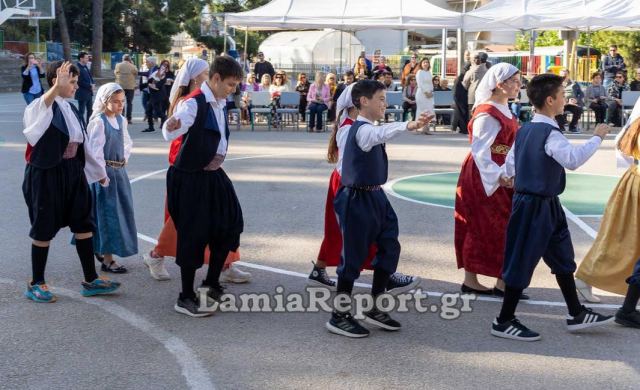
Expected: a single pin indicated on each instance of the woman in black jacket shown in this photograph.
(31, 74)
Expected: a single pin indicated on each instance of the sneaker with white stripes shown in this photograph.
(514, 330)
(587, 319)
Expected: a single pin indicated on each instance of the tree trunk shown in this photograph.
(64, 30)
(96, 39)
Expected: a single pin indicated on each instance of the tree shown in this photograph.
(628, 44)
(64, 30)
(544, 38)
(96, 37)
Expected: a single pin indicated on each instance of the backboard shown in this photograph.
(38, 9)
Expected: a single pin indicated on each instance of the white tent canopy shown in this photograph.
(346, 15)
(510, 15)
(289, 48)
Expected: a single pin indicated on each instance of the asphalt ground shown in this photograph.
(134, 339)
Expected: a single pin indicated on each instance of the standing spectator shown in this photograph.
(302, 87)
(635, 84)
(148, 67)
(460, 104)
(320, 100)
(347, 79)
(411, 68)
(382, 67)
(614, 111)
(361, 70)
(596, 97)
(31, 74)
(332, 83)
(126, 74)
(612, 64)
(170, 78)
(86, 85)
(473, 76)
(424, 95)
(574, 98)
(263, 67)
(157, 97)
(409, 97)
(367, 61)
(244, 62)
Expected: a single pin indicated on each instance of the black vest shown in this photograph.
(536, 172)
(200, 143)
(48, 151)
(360, 168)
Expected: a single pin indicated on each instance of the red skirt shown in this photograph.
(331, 248)
(480, 223)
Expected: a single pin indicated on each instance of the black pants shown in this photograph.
(85, 105)
(576, 112)
(600, 109)
(614, 113)
(128, 93)
(460, 119)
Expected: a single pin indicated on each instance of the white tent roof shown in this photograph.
(311, 47)
(509, 15)
(348, 15)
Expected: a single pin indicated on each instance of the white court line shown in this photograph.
(365, 285)
(192, 369)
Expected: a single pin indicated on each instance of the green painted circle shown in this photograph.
(585, 194)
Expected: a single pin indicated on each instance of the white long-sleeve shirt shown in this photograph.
(37, 119)
(187, 112)
(484, 133)
(559, 148)
(370, 135)
(96, 142)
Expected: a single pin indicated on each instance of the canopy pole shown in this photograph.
(443, 65)
(532, 48)
(246, 42)
(339, 72)
(224, 36)
(460, 41)
(589, 52)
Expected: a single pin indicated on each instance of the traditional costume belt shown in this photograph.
(500, 149)
(366, 188)
(216, 163)
(115, 164)
(71, 151)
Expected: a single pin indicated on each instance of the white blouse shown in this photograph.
(96, 142)
(37, 119)
(484, 133)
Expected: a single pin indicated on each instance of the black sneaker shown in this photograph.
(587, 319)
(399, 283)
(190, 307)
(345, 325)
(214, 292)
(319, 277)
(149, 130)
(382, 320)
(632, 320)
(513, 330)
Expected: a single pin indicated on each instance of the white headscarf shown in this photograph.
(189, 70)
(496, 74)
(345, 102)
(102, 97)
(624, 161)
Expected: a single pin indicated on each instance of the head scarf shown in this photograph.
(189, 70)
(496, 74)
(345, 102)
(102, 97)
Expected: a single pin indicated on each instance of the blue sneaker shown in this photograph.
(40, 293)
(99, 286)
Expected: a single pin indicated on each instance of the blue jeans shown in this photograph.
(315, 115)
(515, 109)
(29, 97)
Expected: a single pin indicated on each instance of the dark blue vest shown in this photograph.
(200, 143)
(48, 151)
(536, 172)
(360, 168)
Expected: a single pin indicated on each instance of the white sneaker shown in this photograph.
(156, 267)
(234, 274)
(584, 290)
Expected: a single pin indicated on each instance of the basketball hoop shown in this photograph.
(33, 17)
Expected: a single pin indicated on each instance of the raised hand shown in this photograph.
(602, 130)
(423, 119)
(63, 76)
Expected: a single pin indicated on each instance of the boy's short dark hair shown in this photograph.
(595, 74)
(366, 88)
(82, 54)
(52, 71)
(226, 67)
(349, 73)
(541, 87)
